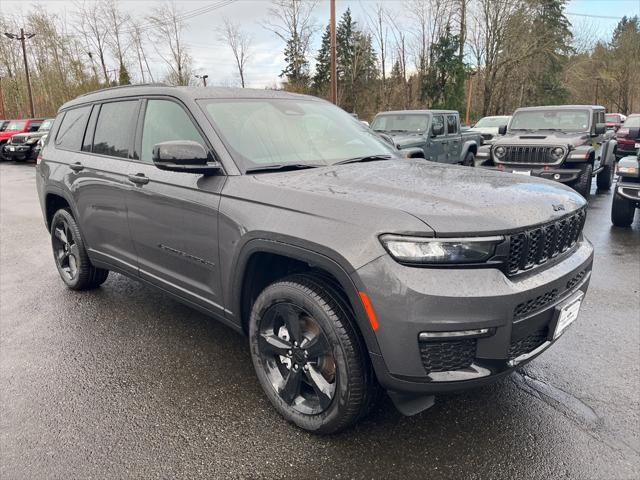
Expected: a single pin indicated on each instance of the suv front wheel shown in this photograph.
(70, 254)
(582, 184)
(309, 360)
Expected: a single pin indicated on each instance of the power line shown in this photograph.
(592, 16)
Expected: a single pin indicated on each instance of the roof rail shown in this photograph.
(126, 86)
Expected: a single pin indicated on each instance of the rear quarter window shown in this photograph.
(115, 128)
(71, 131)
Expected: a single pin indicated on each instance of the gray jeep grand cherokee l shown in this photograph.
(349, 268)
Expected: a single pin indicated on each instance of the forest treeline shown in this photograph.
(398, 55)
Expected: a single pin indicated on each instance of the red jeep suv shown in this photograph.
(18, 126)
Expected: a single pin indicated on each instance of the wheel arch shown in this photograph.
(54, 200)
(248, 279)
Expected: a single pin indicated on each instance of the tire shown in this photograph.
(582, 184)
(324, 324)
(70, 255)
(622, 211)
(604, 180)
(469, 160)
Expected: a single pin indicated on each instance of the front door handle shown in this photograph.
(76, 167)
(138, 179)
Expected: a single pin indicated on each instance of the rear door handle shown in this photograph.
(76, 167)
(138, 179)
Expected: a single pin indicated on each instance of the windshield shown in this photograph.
(632, 122)
(46, 125)
(261, 132)
(401, 123)
(16, 125)
(492, 122)
(557, 119)
(612, 118)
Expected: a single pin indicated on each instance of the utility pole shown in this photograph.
(22, 39)
(463, 27)
(334, 69)
(468, 112)
(204, 79)
(1, 101)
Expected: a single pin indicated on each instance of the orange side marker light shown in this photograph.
(366, 303)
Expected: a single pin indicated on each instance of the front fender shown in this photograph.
(607, 154)
(583, 153)
(469, 145)
(317, 256)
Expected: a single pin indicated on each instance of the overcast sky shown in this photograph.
(214, 58)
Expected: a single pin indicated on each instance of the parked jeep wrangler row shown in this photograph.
(626, 197)
(349, 267)
(568, 144)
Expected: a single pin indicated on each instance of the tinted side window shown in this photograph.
(437, 124)
(34, 126)
(452, 124)
(164, 121)
(71, 129)
(115, 128)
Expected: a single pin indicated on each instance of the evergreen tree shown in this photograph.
(443, 82)
(123, 75)
(322, 76)
(296, 70)
(551, 34)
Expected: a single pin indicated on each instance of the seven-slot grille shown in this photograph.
(530, 155)
(18, 140)
(536, 246)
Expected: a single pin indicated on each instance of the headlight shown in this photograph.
(440, 250)
(557, 153)
(628, 170)
(499, 152)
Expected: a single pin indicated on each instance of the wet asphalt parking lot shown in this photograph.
(122, 382)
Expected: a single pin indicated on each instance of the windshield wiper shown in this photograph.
(282, 167)
(368, 158)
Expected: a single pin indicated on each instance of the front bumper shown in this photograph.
(20, 151)
(628, 190)
(562, 175)
(519, 312)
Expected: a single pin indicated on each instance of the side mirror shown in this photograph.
(600, 128)
(183, 156)
(634, 133)
(502, 129)
(437, 130)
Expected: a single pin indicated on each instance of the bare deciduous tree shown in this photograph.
(240, 43)
(167, 32)
(91, 25)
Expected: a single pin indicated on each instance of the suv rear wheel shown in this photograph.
(604, 180)
(622, 211)
(70, 254)
(582, 184)
(469, 160)
(310, 362)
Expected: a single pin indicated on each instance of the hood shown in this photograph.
(406, 140)
(486, 130)
(28, 135)
(544, 137)
(452, 200)
(7, 134)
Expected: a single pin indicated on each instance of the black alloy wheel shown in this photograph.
(65, 249)
(70, 255)
(297, 358)
(308, 356)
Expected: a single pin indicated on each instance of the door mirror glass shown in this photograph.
(183, 156)
(502, 129)
(600, 128)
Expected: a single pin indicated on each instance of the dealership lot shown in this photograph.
(122, 381)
